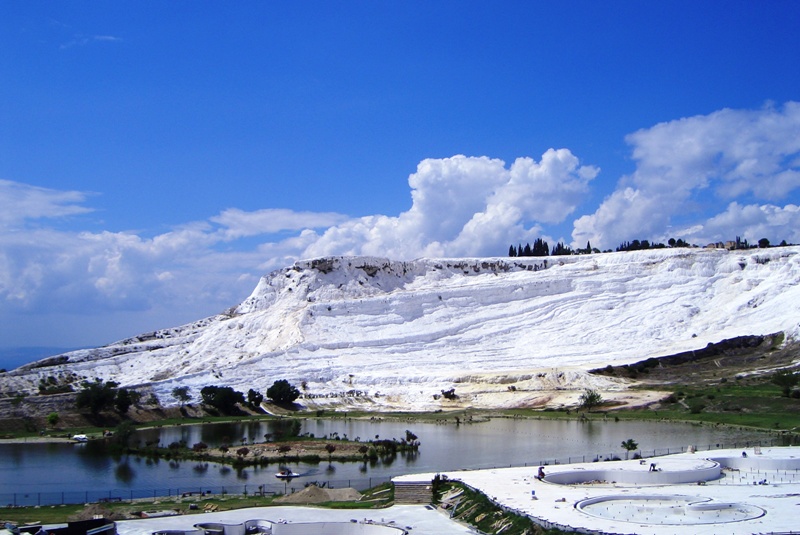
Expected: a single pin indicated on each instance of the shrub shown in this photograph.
(254, 399)
(450, 394)
(181, 393)
(590, 399)
(282, 392)
(786, 380)
(696, 407)
(222, 398)
(96, 396)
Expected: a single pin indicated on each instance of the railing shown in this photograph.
(658, 452)
(24, 499)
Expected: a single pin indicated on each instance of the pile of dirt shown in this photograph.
(315, 494)
(95, 510)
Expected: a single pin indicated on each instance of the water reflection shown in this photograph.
(200, 468)
(503, 442)
(124, 473)
(93, 455)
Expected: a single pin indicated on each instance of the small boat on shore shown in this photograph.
(80, 438)
(286, 474)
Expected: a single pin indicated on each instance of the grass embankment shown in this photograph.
(476, 509)
(755, 404)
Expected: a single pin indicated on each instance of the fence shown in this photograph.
(658, 452)
(20, 499)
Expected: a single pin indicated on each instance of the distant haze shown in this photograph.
(13, 357)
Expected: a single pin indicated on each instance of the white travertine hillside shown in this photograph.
(395, 334)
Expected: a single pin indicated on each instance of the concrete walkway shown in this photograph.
(421, 519)
(759, 493)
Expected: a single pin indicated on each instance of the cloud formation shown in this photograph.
(705, 178)
(22, 203)
(45, 266)
(468, 206)
(727, 154)
(83, 40)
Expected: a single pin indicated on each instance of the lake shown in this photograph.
(32, 474)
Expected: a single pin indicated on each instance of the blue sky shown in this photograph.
(156, 158)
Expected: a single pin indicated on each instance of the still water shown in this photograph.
(56, 473)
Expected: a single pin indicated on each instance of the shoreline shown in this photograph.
(473, 416)
(37, 440)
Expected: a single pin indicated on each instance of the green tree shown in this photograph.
(254, 399)
(786, 380)
(181, 394)
(123, 400)
(540, 248)
(562, 249)
(53, 418)
(123, 433)
(330, 448)
(590, 399)
(222, 398)
(96, 396)
(629, 446)
(763, 243)
(282, 392)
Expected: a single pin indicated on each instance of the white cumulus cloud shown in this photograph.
(468, 206)
(727, 155)
(754, 221)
